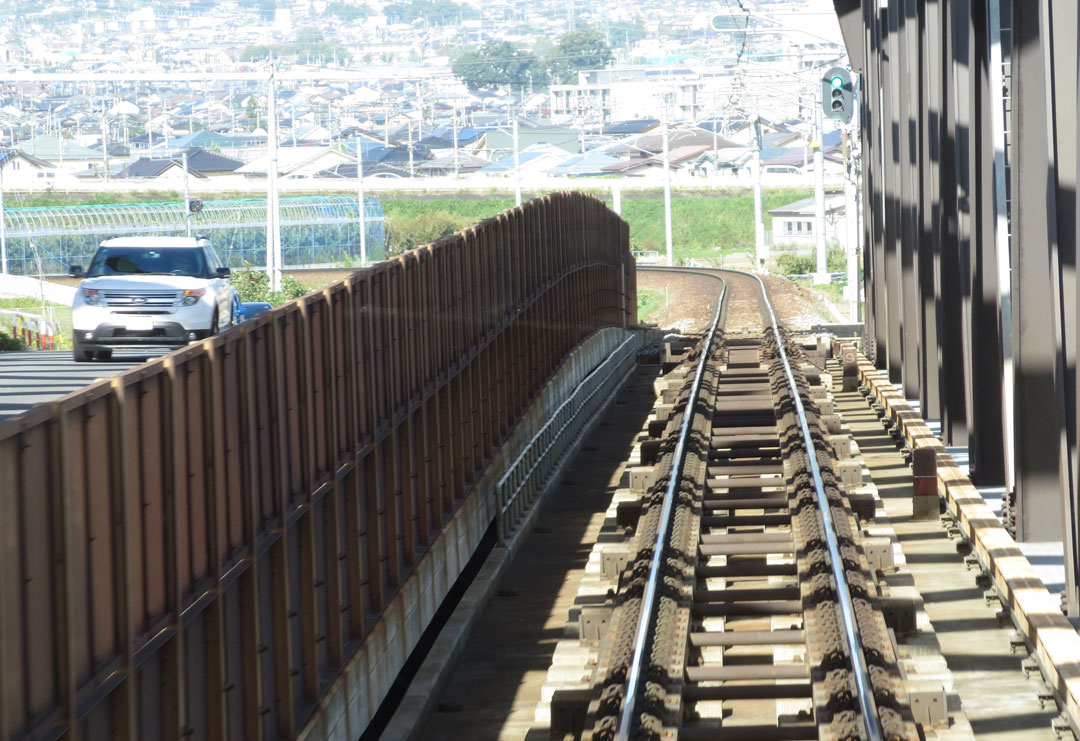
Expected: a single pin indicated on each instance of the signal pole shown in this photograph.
(761, 250)
(822, 274)
(851, 220)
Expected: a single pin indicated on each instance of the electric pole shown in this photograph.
(822, 274)
(360, 201)
(761, 250)
(667, 198)
(851, 220)
(273, 221)
(517, 166)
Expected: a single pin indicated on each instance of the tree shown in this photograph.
(498, 64)
(252, 113)
(435, 12)
(308, 35)
(346, 12)
(576, 51)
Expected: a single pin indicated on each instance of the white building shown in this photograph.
(605, 95)
(793, 225)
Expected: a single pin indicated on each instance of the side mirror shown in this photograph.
(224, 272)
(75, 270)
(241, 311)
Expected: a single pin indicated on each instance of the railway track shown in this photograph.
(746, 608)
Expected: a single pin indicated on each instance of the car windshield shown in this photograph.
(148, 260)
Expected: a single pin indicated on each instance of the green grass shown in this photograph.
(650, 302)
(707, 226)
(704, 227)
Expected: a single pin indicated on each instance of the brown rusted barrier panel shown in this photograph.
(197, 547)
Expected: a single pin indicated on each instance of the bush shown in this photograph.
(836, 259)
(791, 263)
(254, 285)
(404, 233)
(9, 343)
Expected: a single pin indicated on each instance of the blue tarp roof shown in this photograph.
(589, 163)
(633, 126)
(506, 164)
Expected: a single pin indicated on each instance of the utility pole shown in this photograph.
(456, 173)
(187, 194)
(822, 274)
(3, 226)
(104, 146)
(420, 103)
(761, 250)
(851, 220)
(517, 166)
(715, 147)
(667, 198)
(360, 201)
(411, 171)
(273, 225)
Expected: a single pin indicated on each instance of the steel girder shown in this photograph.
(983, 336)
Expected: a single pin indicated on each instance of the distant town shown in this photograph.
(124, 93)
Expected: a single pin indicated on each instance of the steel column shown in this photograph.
(1039, 479)
(986, 447)
(951, 326)
(890, 87)
(874, 196)
(908, 171)
(1061, 21)
(930, 208)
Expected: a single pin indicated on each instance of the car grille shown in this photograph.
(142, 302)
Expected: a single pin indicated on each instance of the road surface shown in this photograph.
(31, 377)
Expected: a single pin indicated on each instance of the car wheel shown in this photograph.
(213, 324)
(80, 355)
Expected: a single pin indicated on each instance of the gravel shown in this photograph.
(691, 302)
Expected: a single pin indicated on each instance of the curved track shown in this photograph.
(749, 583)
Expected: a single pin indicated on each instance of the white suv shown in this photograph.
(142, 292)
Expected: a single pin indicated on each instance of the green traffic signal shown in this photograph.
(838, 94)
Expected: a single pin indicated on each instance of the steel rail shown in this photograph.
(864, 690)
(635, 678)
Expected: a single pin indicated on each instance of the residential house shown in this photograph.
(166, 171)
(67, 156)
(21, 170)
(449, 165)
(296, 162)
(793, 224)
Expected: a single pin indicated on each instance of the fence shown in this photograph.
(33, 330)
(315, 230)
(196, 547)
(529, 474)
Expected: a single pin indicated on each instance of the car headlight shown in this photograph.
(91, 296)
(192, 297)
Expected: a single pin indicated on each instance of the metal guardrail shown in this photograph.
(529, 474)
(33, 330)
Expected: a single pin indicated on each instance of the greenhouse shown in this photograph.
(315, 231)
